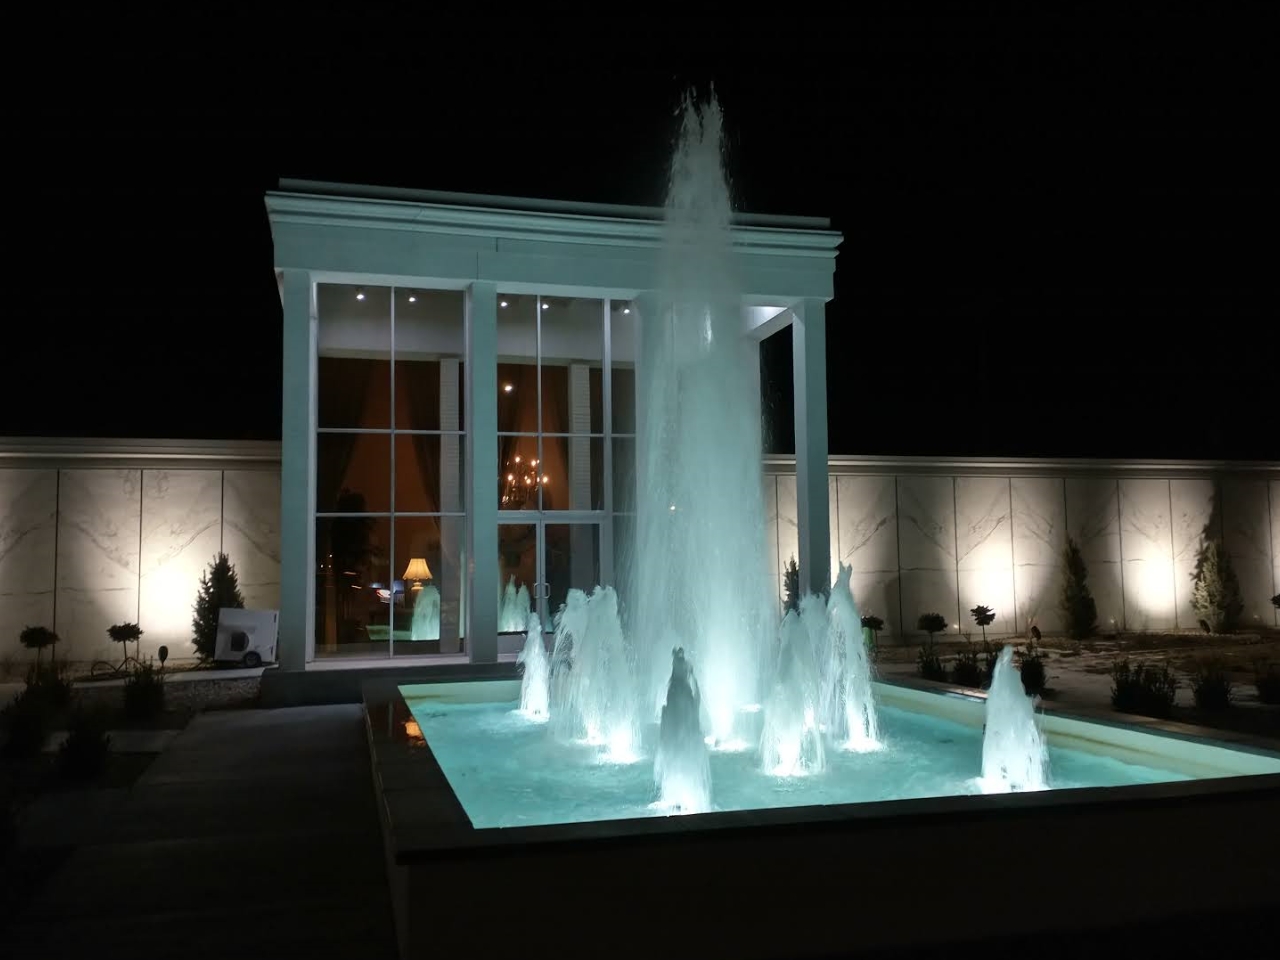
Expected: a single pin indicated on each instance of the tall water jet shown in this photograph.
(567, 679)
(701, 578)
(853, 719)
(513, 608)
(681, 768)
(791, 741)
(535, 693)
(1014, 755)
(426, 614)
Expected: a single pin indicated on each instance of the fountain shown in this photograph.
(1014, 755)
(426, 614)
(535, 696)
(791, 743)
(513, 608)
(851, 711)
(681, 768)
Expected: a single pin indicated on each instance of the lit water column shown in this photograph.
(582, 570)
(450, 502)
(809, 376)
(297, 471)
(481, 452)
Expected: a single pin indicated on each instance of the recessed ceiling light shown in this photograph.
(359, 293)
(545, 305)
(412, 298)
(626, 309)
(508, 387)
(503, 303)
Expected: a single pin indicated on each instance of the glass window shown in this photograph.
(428, 568)
(571, 358)
(430, 352)
(353, 473)
(624, 474)
(572, 473)
(622, 351)
(353, 586)
(429, 468)
(354, 366)
(521, 473)
(517, 575)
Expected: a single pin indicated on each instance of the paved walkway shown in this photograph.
(253, 835)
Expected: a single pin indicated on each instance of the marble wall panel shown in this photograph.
(28, 535)
(984, 531)
(99, 519)
(833, 528)
(927, 525)
(1039, 539)
(788, 525)
(1191, 501)
(1246, 526)
(251, 534)
(929, 591)
(1146, 544)
(876, 593)
(181, 535)
(868, 523)
(1093, 518)
(771, 536)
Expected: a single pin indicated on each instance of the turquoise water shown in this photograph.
(508, 771)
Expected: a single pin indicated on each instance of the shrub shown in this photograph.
(790, 587)
(126, 633)
(931, 623)
(983, 617)
(966, 672)
(1078, 607)
(1211, 684)
(37, 638)
(26, 724)
(1275, 601)
(1266, 677)
(1032, 671)
(1215, 595)
(83, 755)
(1143, 689)
(144, 692)
(49, 683)
(929, 665)
(219, 588)
(871, 627)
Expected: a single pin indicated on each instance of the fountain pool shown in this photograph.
(508, 771)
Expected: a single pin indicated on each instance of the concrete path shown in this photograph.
(253, 835)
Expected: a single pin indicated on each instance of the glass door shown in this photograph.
(540, 561)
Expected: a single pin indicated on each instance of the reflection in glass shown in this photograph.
(353, 586)
(517, 575)
(517, 398)
(572, 354)
(353, 473)
(428, 587)
(573, 560)
(429, 394)
(573, 473)
(622, 353)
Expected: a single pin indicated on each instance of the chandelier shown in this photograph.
(521, 482)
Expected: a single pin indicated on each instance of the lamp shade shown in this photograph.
(417, 570)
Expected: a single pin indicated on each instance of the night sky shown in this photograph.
(1057, 241)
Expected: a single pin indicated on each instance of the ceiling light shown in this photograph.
(412, 298)
(545, 305)
(503, 303)
(359, 293)
(508, 387)
(626, 309)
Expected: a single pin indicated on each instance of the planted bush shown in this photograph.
(1143, 689)
(871, 627)
(83, 755)
(1215, 595)
(1078, 606)
(124, 634)
(790, 587)
(144, 692)
(983, 617)
(929, 665)
(967, 672)
(49, 683)
(1266, 677)
(1211, 684)
(37, 638)
(1033, 673)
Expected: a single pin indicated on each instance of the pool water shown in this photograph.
(509, 771)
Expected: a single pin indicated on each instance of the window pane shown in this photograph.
(517, 363)
(572, 345)
(520, 473)
(517, 575)
(354, 367)
(428, 473)
(353, 473)
(622, 346)
(428, 568)
(353, 588)
(430, 347)
(572, 473)
(573, 561)
(624, 474)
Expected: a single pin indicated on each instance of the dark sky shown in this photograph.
(1057, 237)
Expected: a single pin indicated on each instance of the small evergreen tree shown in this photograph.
(218, 588)
(126, 633)
(983, 617)
(1215, 595)
(791, 587)
(1078, 607)
(37, 638)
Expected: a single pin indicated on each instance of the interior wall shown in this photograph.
(82, 549)
(932, 543)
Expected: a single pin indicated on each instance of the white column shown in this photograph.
(451, 528)
(809, 376)
(481, 454)
(297, 473)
